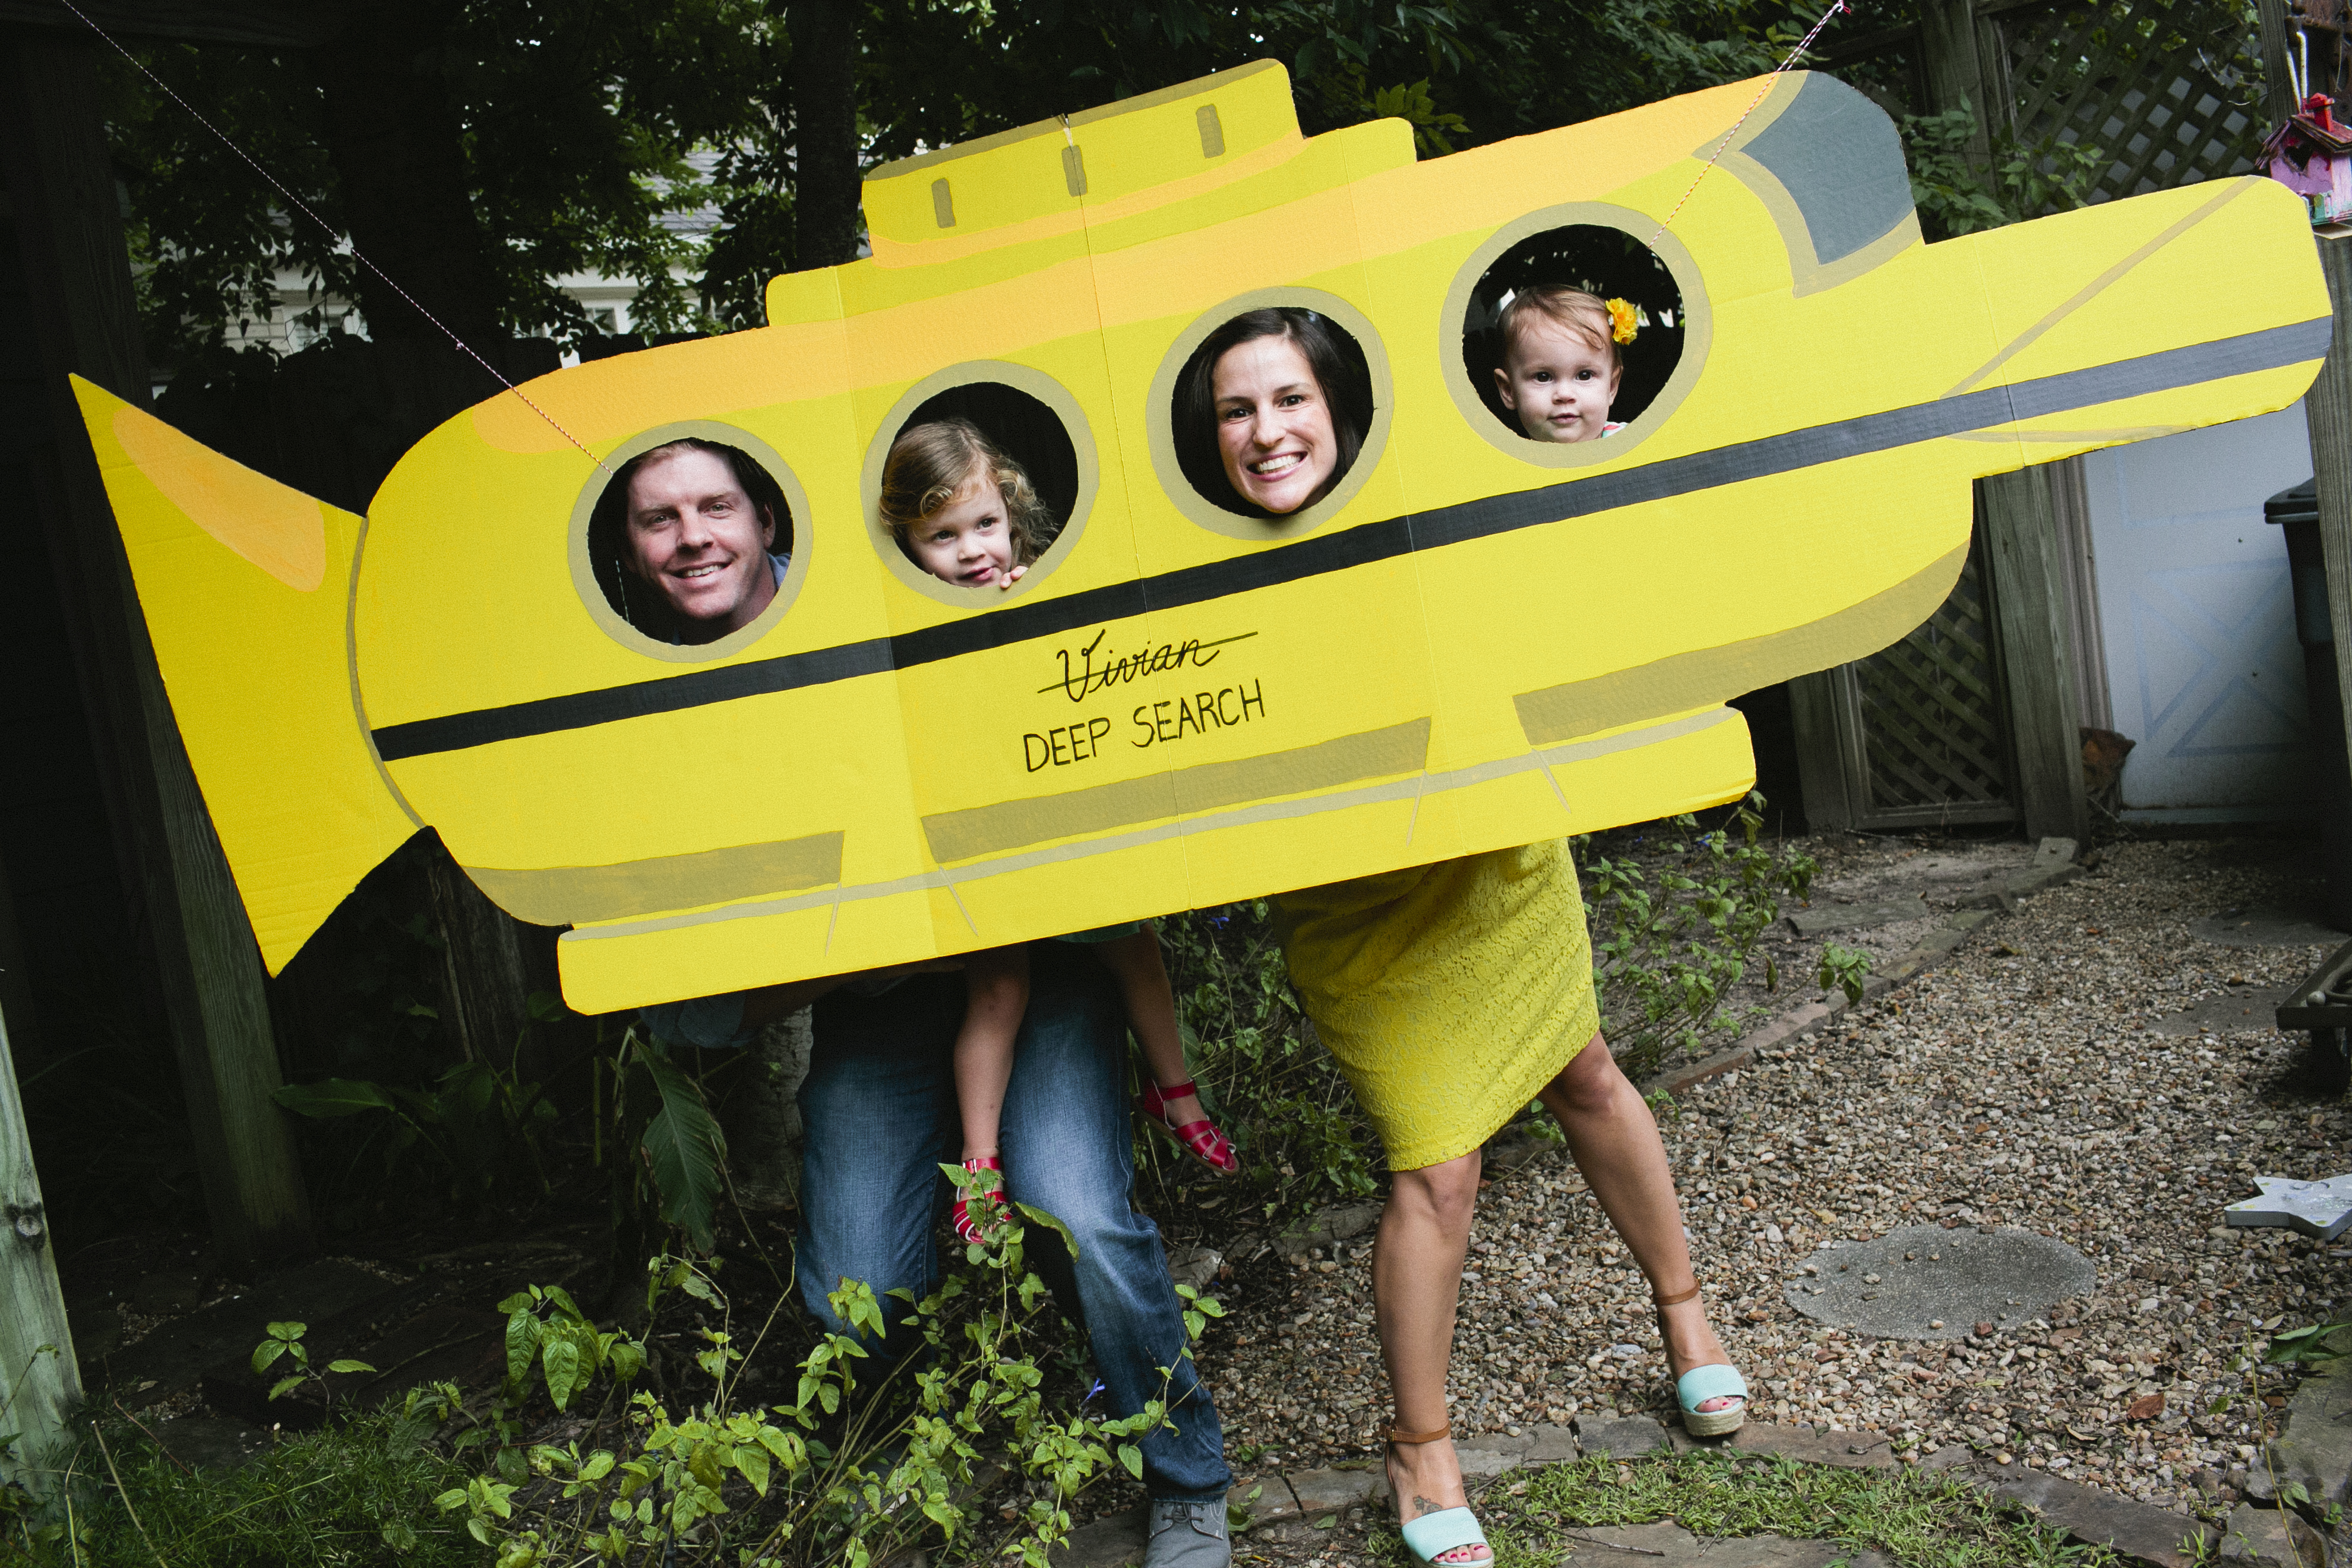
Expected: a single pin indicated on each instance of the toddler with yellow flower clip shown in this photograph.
(1561, 367)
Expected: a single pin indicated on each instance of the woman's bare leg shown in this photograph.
(1416, 1286)
(1614, 1141)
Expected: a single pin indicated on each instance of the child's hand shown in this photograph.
(1006, 580)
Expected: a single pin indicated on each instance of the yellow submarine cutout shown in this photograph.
(1475, 641)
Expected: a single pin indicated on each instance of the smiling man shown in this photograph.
(693, 531)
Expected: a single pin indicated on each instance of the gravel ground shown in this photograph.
(1855, 869)
(2019, 1084)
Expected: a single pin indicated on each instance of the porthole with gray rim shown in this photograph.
(1269, 413)
(979, 445)
(691, 541)
(1528, 296)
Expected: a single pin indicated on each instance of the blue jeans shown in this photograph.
(880, 1110)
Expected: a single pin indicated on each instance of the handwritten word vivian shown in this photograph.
(1095, 668)
(1198, 713)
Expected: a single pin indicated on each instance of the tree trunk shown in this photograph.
(78, 282)
(400, 171)
(824, 102)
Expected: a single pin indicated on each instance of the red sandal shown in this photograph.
(966, 1225)
(1199, 1139)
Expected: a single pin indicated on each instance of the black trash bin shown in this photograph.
(2297, 513)
(2322, 1004)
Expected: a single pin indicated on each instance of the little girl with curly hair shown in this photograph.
(964, 510)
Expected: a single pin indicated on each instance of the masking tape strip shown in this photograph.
(1629, 696)
(2274, 348)
(1272, 811)
(565, 895)
(1185, 791)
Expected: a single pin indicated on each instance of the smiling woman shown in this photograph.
(691, 541)
(1272, 410)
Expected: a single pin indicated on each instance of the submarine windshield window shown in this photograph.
(1272, 410)
(1557, 319)
(690, 541)
(933, 477)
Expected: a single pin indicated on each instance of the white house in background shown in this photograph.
(302, 318)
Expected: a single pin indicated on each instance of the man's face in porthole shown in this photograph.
(695, 536)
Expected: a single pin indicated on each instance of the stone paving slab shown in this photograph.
(2263, 926)
(2268, 1538)
(1823, 919)
(1924, 1282)
(2135, 1530)
(2253, 1007)
(1276, 1501)
(2315, 1449)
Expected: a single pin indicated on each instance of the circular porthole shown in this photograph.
(975, 447)
(1269, 413)
(689, 542)
(1574, 332)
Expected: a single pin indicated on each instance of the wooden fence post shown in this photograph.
(2037, 660)
(2327, 408)
(77, 272)
(39, 1380)
(2021, 530)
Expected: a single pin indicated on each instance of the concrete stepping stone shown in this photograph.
(2263, 926)
(1924, 1282)
(1824, 918)
(2249, 1007)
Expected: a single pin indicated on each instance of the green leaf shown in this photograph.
(331, 1097)
(753, 1464)
(1041, 1217)
(1132, 1458)
(285, 1385)
(289, 1332)
(562, 1366)
(265, 1353)
(523, 1343)
(683, 1148)
(347, 1365)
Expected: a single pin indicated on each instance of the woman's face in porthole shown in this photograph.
(1274, 425)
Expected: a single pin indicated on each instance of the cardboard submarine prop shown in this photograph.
(1473, 641)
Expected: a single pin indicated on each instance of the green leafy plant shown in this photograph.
(862, 1462)
(285, 1341)
(1271, 1085)
(1843, 969)
(1675, 925)
(481, 1124)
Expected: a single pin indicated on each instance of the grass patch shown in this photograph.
(1921, 1521)
(357, 1495)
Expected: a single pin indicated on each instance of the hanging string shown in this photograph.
(296, 202)
(1794, 56)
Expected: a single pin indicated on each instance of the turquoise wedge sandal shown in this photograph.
(1701, 1384)
(1433, 1535)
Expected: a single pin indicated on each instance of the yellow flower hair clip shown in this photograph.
(1623, 320)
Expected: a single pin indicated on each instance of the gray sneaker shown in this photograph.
(1188, 1535)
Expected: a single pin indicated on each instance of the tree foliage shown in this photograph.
(575, 123)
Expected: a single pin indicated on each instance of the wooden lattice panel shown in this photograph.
(1932, 720)
(2169, 89)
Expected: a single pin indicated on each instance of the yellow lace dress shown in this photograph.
(1449, 994)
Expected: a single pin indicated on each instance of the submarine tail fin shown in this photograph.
(246, 586)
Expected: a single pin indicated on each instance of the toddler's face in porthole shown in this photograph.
(967, 541)
(1556, 382)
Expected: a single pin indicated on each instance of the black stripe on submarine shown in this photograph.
(2272, 349)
